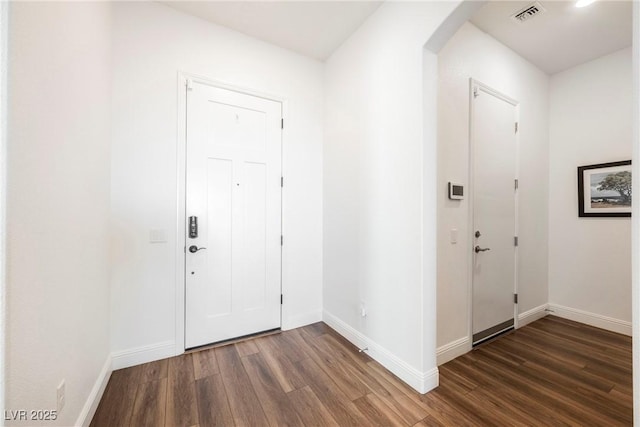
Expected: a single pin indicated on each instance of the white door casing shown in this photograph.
(233, 172)
(494, 250)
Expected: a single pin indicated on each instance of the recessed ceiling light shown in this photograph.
(583, 3)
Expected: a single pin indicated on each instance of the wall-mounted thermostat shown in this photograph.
(456, 191)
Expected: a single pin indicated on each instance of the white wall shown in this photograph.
(4, 39)
(635, 218)
(151, 44)
(374, 249)
(590, 122)
(58, 204)
(471, 53)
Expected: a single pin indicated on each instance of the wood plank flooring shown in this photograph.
(551, 372)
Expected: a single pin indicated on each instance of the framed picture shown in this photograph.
(604, 190)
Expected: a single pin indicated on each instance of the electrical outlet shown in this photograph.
(363, 310)
(61, 395)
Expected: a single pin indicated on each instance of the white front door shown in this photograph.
(494, 151)
(233, 211)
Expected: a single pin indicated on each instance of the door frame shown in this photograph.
(181, 155)
(473, 83)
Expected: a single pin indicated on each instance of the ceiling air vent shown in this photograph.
(528, 13)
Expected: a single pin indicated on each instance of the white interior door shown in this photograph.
(233, 190)
(494, 151)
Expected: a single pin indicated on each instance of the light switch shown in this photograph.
(454, 235)
(157, 236)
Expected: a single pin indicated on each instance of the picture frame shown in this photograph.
(604, 190)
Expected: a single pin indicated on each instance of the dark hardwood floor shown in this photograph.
(551, 372)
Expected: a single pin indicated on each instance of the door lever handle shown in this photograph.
(479, 249)
(193, 249)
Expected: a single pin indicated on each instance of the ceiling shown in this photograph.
(311, 28)
(562, 37)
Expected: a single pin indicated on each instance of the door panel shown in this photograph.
(494, 211)
(233, 187)
(254, 244)
(218, 255)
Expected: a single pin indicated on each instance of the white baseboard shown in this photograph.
(299, 320)
(597, 320)
(532, 315)
(462, 345)
(420, 381)
(136, 356)
(91, 405)
(452, 350)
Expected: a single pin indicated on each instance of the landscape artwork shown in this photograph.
(604, 190)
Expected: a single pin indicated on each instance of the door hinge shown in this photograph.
(281, 240)
(515, 240)
(515, 298)
(516, 127)
(281, 123)
(189, 84)
(516, 184)
(281, 181)
(475, 92)
(281, 299)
